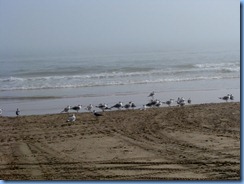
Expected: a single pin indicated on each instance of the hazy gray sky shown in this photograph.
(46, 26)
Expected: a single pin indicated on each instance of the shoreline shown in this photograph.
(194, 142)
(40, 102)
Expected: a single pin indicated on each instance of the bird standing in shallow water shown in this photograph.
(17, 112)
(103, 107)
(77, 108)
(226, 98)
(169, 102)
(231, 97)
(118, 105)
(89, 107)
(66, 109)
(151, 94)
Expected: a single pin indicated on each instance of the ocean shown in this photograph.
(45, 84)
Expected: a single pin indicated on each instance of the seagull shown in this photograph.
(158, 103)
(189, 101)
(181, 101)
(66, 109)
(127, 106)
(71, 118)
(103, 106)
(144, 107)
(133, 105)
(96, 113)
(231, 97)
(169, 102)
(151, 94)
(226, 98)
(151, 103)
(17, 112)
(76, 108)
(118, 105)
(89, 107)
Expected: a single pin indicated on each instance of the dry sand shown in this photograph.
(195, 142)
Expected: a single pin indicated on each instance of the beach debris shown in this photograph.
(118, 106)
(96, 113)
(17, 112)
(76, 108)
(226, 98)
(71, 118)
(169, 102)
(151, 94)
(66, 109)
(103, 107)
(189, 101)
(89, 107)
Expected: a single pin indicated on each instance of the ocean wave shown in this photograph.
(106, 83)
(218, 65)
(119, 74)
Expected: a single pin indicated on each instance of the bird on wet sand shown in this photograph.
(76, 108)
(89, 107)
(226, 98)
(17, 112)
(169, 102)
(103, 107)
(71, 118)
(96, 113)
(118, 106)
(66, 109)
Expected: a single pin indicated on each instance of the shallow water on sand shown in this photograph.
(42, 102)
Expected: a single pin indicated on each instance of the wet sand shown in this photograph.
(195, 142)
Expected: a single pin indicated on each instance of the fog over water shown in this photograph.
(44, 27)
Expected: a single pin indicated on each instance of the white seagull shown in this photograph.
(231, 97)
(169, 102)
(127, 106)
(181, 101)
(118, 105)
(89, 107)
(66, 109)
(77, 108)
(144, 107)
(103, 106)
(151, 94)
(71, 118)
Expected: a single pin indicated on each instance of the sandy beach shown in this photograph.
(195, 142)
